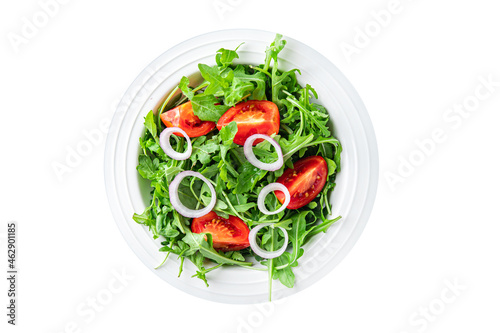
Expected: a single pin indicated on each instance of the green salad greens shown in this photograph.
(304, 131)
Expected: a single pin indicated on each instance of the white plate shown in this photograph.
(352, 198)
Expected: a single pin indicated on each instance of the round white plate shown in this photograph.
(352, 198)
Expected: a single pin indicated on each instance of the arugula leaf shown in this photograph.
(249, 176)
(291, 147)
(147, 168)
(258, 79)
(149, 123)
(203, 150)
(225, 57)
(281, 82)
(198, 242)
(272, 51)
(143, 218)
(331, 166)
(322, 227)
(237, 91)
(237, 256)
(216, 81)
(228, 132)
(317, 124)
(206, 108)
(184, 86)
(285, 275)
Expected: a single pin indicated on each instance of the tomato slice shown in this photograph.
(252, 117)
(184, 118)
(304, 182)
(227, 234)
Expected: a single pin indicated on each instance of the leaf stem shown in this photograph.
(234, 210)
(271, 267)
(255, 268)
(213, 268)
(191, 184)
(289, 154)
(262, 71)
(164, 105)
(166, 257)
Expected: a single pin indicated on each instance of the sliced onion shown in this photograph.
(173, 190)
(167, 148)
(247, 149)
(265, 191)
(252, 238)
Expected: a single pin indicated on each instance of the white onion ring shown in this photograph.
(252, 238)
(167, 148)
(265, 191)
(247, 149)
(177, 204)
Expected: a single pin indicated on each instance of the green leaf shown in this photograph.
(160, 221)
(144, 218)
(257, 78)
(149, 123)
(249, 176)
(273, 50)
(291, 147)
(322, 227)
(184, 86)
(316, 123)
(204, 106)
(197, 241)
(280, 83)
(225, 57)
(244, 207)
(213, 76)
(286, 276)
(237, 91)
(203, 150)
(170, 232)
(331, 166)
(172, 171)
(228, 132)
(236, 255)
(210, 171)
(147, 168)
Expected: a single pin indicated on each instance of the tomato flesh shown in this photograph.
(227, 234)
(304, 181)
(183, 117)
(252, 117)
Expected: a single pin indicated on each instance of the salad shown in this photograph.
(241, 168)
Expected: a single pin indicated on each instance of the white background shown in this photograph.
(439, 223)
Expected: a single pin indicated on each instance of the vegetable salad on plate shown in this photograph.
(241, 168)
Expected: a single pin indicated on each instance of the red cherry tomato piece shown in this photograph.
(252, 117)
(304, 182)
(227, 234)
(184, 118)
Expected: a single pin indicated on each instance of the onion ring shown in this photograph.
(248, 150)
(252, 238)
(265, 191)
(167, 148)
(173, 190)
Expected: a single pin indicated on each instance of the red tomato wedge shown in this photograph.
(252, 117)
(184, 118)
(304, 182)
(227, 234)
